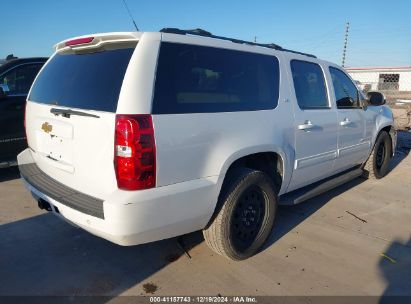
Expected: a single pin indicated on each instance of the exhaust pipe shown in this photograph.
(44, 205)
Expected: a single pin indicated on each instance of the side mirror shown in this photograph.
(2, 94)
(346, 102)
(375, 99)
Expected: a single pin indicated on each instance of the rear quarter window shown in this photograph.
(89, 81)
(199, 79)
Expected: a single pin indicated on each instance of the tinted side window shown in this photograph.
(19, 79)
(309, 85)
(198, 79)
(346, 93)
(89, 81)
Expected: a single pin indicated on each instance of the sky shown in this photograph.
(379, 34)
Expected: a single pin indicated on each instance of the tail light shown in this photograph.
(135, 152)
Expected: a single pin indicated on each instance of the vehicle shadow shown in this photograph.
(9, 173)
(45, 256)
(394, 266)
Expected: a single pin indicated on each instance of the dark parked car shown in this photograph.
(16, 77)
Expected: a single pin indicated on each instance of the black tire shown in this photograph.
(245, 215)
(378, 163)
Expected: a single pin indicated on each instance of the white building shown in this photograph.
(382, 78)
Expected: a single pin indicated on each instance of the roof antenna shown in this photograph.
(131, 16)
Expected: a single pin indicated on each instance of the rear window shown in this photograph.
(89, 81)
(198, 79)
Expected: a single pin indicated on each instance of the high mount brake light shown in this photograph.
(135, 152)
(79, 41)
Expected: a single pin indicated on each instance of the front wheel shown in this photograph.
(378, 163)
(245, 215)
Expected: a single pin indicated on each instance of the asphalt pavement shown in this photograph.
(354, 240)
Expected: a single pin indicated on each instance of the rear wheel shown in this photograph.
(245, 215)
(378, 163)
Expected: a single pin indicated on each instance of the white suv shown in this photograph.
(138, 137)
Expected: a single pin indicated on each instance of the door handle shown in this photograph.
(307, 125)
(345, 122)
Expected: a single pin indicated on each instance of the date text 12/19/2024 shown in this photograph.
(204, 299)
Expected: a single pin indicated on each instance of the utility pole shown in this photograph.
(255, 39)
(347, 28)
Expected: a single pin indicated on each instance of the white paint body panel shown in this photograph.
(194, 151)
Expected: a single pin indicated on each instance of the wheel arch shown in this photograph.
(390, 129)
(253, 158)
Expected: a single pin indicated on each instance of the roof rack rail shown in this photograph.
(204, 33)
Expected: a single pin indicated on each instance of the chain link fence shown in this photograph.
(395, 83)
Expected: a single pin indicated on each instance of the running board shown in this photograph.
(300, 195)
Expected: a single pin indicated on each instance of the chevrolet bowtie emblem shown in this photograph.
(46, 127)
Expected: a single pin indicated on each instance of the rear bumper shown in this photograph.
(127, 217)
(51, 188)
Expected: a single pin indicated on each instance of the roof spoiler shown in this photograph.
(95, 41)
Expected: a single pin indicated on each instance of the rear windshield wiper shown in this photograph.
(67, 113)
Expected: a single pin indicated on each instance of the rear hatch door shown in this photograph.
(70, 116)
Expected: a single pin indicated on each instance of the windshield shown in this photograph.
(89, 81)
